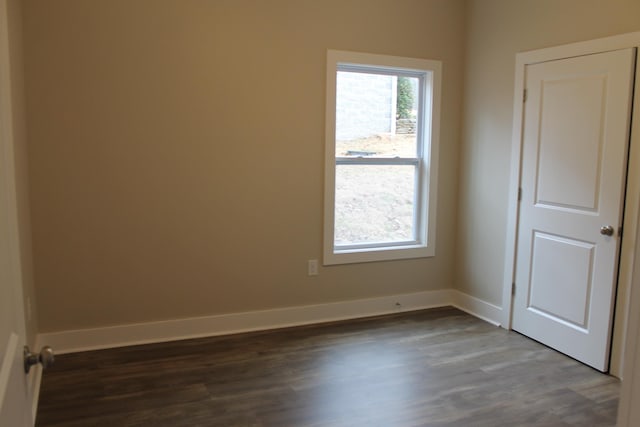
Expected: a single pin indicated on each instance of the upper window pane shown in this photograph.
(376, 115)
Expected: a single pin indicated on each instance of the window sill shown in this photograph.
(352, 256)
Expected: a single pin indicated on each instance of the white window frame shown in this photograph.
(429, 71)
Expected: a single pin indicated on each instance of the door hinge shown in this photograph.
(519, 193)
(524, 96)
(513, 288)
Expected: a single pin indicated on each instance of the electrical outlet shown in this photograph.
(312, 267)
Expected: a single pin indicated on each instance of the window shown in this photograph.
(381, 157)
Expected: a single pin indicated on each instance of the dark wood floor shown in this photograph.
(437, 367)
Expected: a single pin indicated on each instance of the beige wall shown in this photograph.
(176, 152)
(496, 31)
(176, 147)
(14, 15)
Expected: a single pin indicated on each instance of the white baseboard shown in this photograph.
(478, 308)
(171, 330)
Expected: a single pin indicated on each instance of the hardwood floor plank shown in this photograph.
(438, 367)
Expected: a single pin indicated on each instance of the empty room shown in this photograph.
(319, 213)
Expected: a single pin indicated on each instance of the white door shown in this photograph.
(14, 409)
(575, 141)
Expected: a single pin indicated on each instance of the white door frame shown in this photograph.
(628, 410)
(632, 199)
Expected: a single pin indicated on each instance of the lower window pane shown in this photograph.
(374, 204)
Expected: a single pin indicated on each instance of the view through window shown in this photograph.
(375, 198)
(380, 169)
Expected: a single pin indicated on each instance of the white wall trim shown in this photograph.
(628, 410)
(424, 243)
(476, 307)
(171, 330)
(633, 189)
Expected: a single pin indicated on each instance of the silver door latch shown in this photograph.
(45, 357)
(606, 230)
